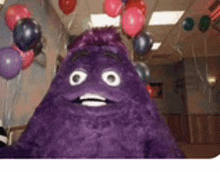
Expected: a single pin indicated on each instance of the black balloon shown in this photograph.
(143, 71)
(204, 23)
(27, 34)
(188, 24)
(142, 43)
(38, 48)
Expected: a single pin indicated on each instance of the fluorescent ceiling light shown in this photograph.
(156, 46)
(165, 17)
(2, 2)
(102, 20)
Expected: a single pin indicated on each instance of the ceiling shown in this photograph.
(189, 43)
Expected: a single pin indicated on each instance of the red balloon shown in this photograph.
(150, 90)
(67, 6)
(137, 3)
(14, 14)
(113, 7)
(133, 21)
(27, 57)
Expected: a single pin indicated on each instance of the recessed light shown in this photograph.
(103, 20)
(165, 17)
(156, 46)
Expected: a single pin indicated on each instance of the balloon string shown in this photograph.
(6, 105)
(70, 23)
(9, 119)
(61, 27)
(178, 36)
(8, 111)
(132, 54)
(87, 6)
(17, 89)
(88, 9)
(206, 56)
(196, 65)
(197, 69)
(207, 71)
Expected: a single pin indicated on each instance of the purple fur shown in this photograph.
(99, 37)
(128, 127)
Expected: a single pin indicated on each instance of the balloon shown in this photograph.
(137, 3)
(150, 90)
(67, 6)
(38, 48)
(15, 13)
(142, 43)
(143, 71)
(113, 7)
(10, 63)
(133, 21)
(27, 34)
(188, 24)
(27, 57)
(204, 23)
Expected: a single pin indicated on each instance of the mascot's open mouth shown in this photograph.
(92, 100)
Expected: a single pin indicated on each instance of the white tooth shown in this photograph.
(93, 103)
(92, 96)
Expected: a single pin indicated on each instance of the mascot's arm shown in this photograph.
(28, 142)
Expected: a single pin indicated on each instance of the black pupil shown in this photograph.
(76, 78)
(111, 78)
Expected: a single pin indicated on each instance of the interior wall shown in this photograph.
(172, 101)
(201, 98)
(203, 101)
(21, 95)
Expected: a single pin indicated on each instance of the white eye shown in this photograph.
(77, 77)
(111, 78)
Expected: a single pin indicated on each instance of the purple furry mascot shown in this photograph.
(96, 107)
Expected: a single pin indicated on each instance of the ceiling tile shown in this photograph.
(159, 32)
(151, 5)
(201, 5)
(173, 5)
(95, 7)
(169, 35)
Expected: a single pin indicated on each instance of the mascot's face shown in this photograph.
(97, 80)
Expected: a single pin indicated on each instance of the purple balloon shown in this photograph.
(10, 63)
